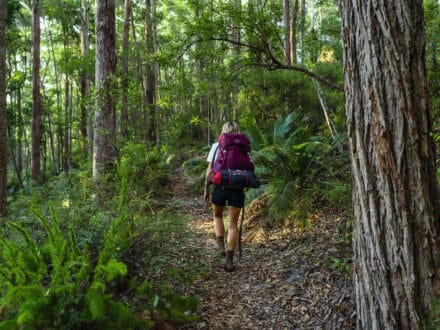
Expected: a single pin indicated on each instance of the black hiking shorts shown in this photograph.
(234, 197)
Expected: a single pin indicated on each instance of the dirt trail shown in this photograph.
(290, 279)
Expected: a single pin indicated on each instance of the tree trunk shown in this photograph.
(104, 142)
(328, 118)
(236, 36)
(19, 162)
(124, 99)
(85, 128)
(302, 29)
(3, 127)
(150, 72)
(140, 76)
(395, 192)
(56, 154)
(36, 94)
(287, 30)
(294, 19)
(201, 81)
(67, 124)
(157, 116)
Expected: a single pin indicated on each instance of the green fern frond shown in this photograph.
(96, 302)
(111, 270)
(9, 325)
(283, 126)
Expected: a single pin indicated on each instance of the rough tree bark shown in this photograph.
(287, 30)
(85, 125)
(293, 23)
(150, 84)
(125, 41)
(236, 37)
(395, 192)
(36, 93)
(104, 142)
(302, 29)
(201, 81)
(3, 127)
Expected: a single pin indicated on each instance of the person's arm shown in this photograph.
(206, 189)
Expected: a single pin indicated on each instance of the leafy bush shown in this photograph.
(158, 261)
(145, 169)
(195, 168)
(298, 168)
(54, 283)
(103, 248)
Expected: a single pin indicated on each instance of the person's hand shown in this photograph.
(206, 196)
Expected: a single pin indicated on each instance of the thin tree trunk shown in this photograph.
(3, 127)
(36, 96)
(395, 190)
(125, 41)
(303, 29)
(157, 77)
(19, 134)
(85, 126)
(287, 32)
(201, 78)
(294, 19)
(327, 117)
(17, 156)
(104, 142)
(236, 36)
(140, 74)
(150, 72)
(56, 154)
(67, 124)
(51, 142)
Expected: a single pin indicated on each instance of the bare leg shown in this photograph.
(234, 214)
(219, 226)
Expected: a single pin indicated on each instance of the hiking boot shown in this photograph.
(220, 246)
(229, 266)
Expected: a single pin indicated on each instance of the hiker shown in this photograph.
(220, 196)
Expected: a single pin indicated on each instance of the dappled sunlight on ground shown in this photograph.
(290, 278)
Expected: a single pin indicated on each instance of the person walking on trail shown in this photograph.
(221, 196)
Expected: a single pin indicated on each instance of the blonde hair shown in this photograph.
(230, 127)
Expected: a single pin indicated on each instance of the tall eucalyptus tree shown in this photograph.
(293, 24)
(395, 191)
(150, 85)
(85, 122)
(201, 76)
(3, 127)
(36, 93)
(104, 142)
(287, 30)
(124, 85)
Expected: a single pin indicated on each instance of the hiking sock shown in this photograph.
(229, 266)
(220, 246)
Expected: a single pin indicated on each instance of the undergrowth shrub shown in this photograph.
(195, 168)
(157, 265)
(145, 168)
(49, 282)
(299, 169)
(81, 264)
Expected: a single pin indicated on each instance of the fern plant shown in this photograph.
(295, 165)
(145, 168)
(50, 283)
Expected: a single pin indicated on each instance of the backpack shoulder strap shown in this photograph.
(215, 153)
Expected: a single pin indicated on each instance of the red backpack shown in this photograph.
(233, 153)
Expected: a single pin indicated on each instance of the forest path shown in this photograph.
(285, 279)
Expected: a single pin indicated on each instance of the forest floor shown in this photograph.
(291, 278)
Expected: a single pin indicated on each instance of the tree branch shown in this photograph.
(272, 62)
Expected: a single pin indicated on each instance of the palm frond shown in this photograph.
(284, 125)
